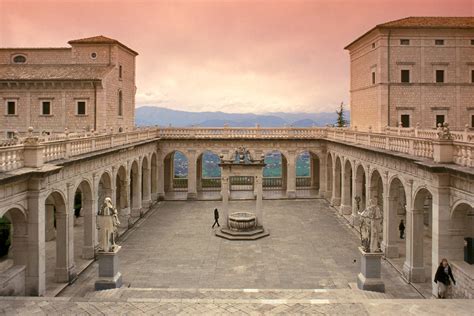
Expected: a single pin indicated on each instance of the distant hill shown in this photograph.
(151, 115)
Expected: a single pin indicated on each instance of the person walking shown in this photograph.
(442, 278)
(216, 218)
(401, 228)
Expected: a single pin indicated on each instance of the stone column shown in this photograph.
(199, 174)
(291, 178)
(336, 182)
(137, 194)
(146, 189)
(259, 210)
(390, 226)
(192, 190)
(36, 266)
(160, 167)
(65, 268)
(444, 235)
(322, 175)
(225, 198)
(345, 207)
(357, 191)
(413, 268)
(90, 207)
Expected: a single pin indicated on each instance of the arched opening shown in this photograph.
(154, 177)
(122, 198)
(360, 197)
(336, 200)
(135, 190)
(421, 243)
(275, 171)
(104, 190)
(13, 244)
(307, 171)
(376, 194)
(208, 172)
(329, 171)
(462, 233)
(84, 225)
(146, 183)
(59, 248)
(176, 172)
(346, 202)
(395, 222)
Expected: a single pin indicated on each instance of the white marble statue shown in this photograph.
(371, 219)
(107, 223)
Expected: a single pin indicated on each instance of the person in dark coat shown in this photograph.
(401, 228)
(216, 218)
(442, 278)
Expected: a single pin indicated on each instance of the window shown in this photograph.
(10, 135)
(373, 77)
(472, 42)
(404, 42)
(45, 107)
(373, 45)
(472, 120)
(10, 107)
(472, 75)
(120, 71)
(120, 103)
(405, 75)
(439, 42)
(405, 119)
(94, 55)
(19, 59)
(439, 120)
(81, 107)
(439, 75)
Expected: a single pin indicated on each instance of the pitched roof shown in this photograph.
(53, 72)
(100, 40)
(424, 22)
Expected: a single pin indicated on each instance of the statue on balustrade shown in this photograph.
(370, 227)
(107, 223)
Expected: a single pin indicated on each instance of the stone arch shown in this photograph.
(135, 188)
(176, 165)
(154, 176)
(14, 224)
(337, 184)
(208, 172)
(105, 189)
(346, 203)
(84, 220)
(272, 177)
(62, 249)
(308, 169)
(393, 242)
(146, 182)
(360, 195)
(376, 187)
(461, 228)
(329, 174)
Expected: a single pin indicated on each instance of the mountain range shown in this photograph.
(152, 115)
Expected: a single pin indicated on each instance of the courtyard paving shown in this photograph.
(309, 247)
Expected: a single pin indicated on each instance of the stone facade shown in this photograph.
(97, 71)
(421, 46)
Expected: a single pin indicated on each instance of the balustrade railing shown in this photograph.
(303, 182)
(180, 183)
(410, 141)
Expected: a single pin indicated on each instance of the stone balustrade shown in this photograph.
(410, 141)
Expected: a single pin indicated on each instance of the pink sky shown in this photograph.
(233, 56)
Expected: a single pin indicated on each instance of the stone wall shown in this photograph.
(12, 281)
(464, 276)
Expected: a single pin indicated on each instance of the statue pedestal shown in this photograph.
(109, 276)
(369, 278)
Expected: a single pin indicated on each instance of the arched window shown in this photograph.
(120, 103)
(19, 59)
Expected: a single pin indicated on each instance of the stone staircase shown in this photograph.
(258, 296)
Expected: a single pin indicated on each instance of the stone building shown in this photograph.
(90, 85)
(416, 70)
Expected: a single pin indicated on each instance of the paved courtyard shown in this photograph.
(309, 247)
